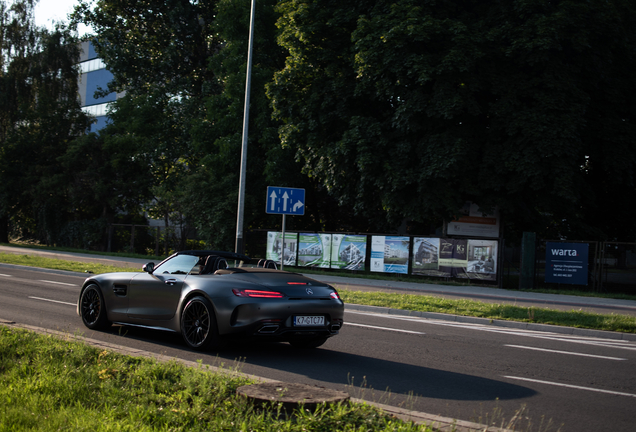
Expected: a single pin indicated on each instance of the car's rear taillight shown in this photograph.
(334, 295)
(257, 293)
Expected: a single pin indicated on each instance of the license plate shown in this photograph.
(309, 321)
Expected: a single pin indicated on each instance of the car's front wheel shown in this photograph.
(93, 308)
(308, 343)
(198, 324)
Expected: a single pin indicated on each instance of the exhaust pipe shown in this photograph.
(335, 327)
(269, 328)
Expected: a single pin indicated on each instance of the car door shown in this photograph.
(156, 296)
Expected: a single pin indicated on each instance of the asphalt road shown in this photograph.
(463, 371)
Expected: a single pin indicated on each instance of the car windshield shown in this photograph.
(180, 264)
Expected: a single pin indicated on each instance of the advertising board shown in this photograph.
(390, 254)
(566, 263)
(348, 251)
(314, 250)
(474, 223)
(443, 257)
(275, 247)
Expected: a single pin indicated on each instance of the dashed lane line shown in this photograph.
(52, 301)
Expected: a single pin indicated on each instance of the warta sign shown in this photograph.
(566, 263)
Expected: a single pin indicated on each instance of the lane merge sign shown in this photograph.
(283, 200)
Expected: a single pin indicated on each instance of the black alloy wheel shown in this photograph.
(93, 309)
(198, 324)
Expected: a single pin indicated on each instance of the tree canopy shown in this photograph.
(39, 116)
(389, 113)
(417, 106)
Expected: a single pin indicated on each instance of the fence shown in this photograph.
(617, 267)
(611, 267)
(147, 240)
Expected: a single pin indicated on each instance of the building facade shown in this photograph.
(94, 76)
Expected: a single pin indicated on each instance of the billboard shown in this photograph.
(453, 256)
(566, 263)
(473, 223)
(276, 248)
(390, 254)
(314, 250)
(348, 252)
(460, 258)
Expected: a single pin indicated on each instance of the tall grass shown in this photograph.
(48, 384)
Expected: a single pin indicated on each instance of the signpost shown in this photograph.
(285, 201)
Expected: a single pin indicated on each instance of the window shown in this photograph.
(180, 264)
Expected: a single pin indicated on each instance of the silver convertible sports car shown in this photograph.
(201, 296)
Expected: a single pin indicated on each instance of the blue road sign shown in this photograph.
(282, 200)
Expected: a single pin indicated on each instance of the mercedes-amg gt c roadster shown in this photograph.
(201, 296)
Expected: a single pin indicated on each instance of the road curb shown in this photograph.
(602, 334)
(438, 423)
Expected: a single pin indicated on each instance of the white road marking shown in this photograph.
(383, 328)
(57, 283)
(627, 345)
(53, 301)
(5, 275)
(571, 386)
(565, 352)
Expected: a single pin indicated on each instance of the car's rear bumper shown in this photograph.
(275, 319)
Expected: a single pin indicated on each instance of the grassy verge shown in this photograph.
(83, 251)
(574, 318)
(48, 384)
(59, 264)
(611, 322)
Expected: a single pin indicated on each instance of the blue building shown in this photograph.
(94, 76)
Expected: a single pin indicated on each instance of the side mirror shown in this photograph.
(149, 268)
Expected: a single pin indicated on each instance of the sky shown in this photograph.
(48, 11)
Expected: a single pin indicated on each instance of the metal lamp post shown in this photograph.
(240, 242)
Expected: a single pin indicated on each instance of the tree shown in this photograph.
(188, 120)
(39, 116)
(416, 106)
(159, 53)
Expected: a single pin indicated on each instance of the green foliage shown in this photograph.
(39, 116)
(417, 106)
(184, 107)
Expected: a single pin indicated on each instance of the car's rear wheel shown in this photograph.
(308, 343)
(93, 308)
(198, 324)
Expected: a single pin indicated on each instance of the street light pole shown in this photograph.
(240, 242)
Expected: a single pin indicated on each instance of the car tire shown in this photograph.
(308, 343)
(93, 308)
(198, 324)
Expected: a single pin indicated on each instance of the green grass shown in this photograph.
(60, 264)
(574, 318)
(50, 384)
(82, 251)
